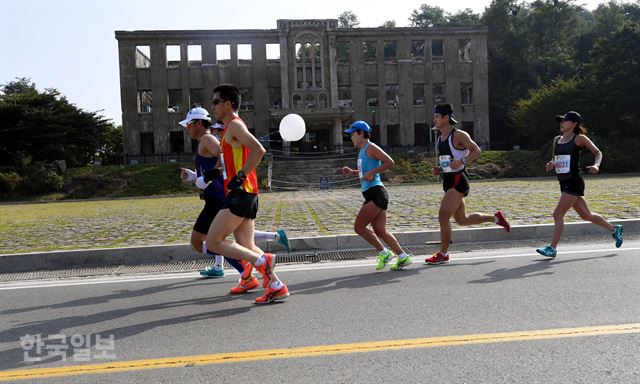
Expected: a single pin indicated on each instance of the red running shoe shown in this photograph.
(273, 294)
(247, 268)
(266, 269)
(437, 258)
(502, 221)
(245, 285)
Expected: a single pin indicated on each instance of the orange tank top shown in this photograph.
(232, 159)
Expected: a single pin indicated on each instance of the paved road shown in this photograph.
(499, 316)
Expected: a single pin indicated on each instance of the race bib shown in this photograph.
(360, 168)
(445, 163)
(563, 163)
(224, 169)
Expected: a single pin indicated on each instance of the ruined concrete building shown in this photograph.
(390, 77)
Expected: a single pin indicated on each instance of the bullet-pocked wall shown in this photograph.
(390, 77)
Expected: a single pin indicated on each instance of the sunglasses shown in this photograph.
(218, 101)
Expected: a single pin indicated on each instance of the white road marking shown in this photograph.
(31, 284)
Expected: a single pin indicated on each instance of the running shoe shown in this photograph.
(212, 272)
(247, 268)
(245, 285)
(273, 294)
(401, 263)
(502, 221)
(383, 259)
(282, 239)
(617, 234)
(547, 251)
(266, 269)
(437, 258)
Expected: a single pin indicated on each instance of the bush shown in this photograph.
(40, 179)
(9, 181)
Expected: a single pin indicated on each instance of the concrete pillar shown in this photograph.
(405, 90)
(284, 69)
(159, 93)
(260, 90)
(382, 94)
(480, 91)
(333, 72)
(336, 133)
(129, 96)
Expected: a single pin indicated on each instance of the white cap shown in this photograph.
(217, 126)
(196, 114)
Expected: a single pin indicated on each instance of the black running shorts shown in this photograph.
(456, 180)
(211, 208)
(378, 195)
(573, 186)
(242, 204)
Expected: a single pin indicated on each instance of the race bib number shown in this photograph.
(224, 169)
(563, 163)
(360, 168)
(445, 163)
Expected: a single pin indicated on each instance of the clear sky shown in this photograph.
(70, 45)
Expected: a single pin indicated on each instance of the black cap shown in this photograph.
(571, 116)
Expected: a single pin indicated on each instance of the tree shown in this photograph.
(427, 16)
(464, 18)
(44, 126)
(388, 24)
(348, 19)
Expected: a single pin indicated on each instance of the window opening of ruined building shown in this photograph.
(310, 102)
(143, 56)
(273, 53)
(342, 52)
(418, 94)
(464, 50)
(145, 101)
(196, 98)
(247, 102)
(173, 56)
(371, 94)
(175, 101)
(297, 101)
(369, 51)
(437, 50)
(322, 100)
(392, 95)
(223, 54)
(417, 51)
(146, 143)
(244, 54)
(438, 93)
(390, 54)
(194, 55)
(176, 142)
(466, 93)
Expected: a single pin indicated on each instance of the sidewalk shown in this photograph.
(28, 262)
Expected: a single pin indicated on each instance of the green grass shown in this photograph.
(30, 227)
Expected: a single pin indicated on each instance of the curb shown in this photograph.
(28, 262)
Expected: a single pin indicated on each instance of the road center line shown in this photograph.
(319, 350)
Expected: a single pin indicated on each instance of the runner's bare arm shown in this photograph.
(584, 141)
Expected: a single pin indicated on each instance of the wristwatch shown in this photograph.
(241, 174)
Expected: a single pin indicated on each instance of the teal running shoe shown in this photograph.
(282, 239)
(547, 251)
(617, 234)
(401, 263)
(383, 259)
(212, 272)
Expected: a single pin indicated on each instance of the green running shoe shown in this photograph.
(212, 272)
(401, 263)
(547, 251)
(282, 239)
(617, 234)
(383, 259)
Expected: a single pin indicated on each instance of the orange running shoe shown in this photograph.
(502, 221)
(247, 268)
(266, 269)
(245, 285)
(437, 258)
(273, 294)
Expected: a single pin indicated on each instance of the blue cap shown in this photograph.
(358, 126)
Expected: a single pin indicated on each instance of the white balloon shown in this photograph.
(292, 127)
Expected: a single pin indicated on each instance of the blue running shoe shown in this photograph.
(212, 272)
(547, 251)
(282, 239)
(617, 234)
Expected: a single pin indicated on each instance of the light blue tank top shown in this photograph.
(365, 164)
